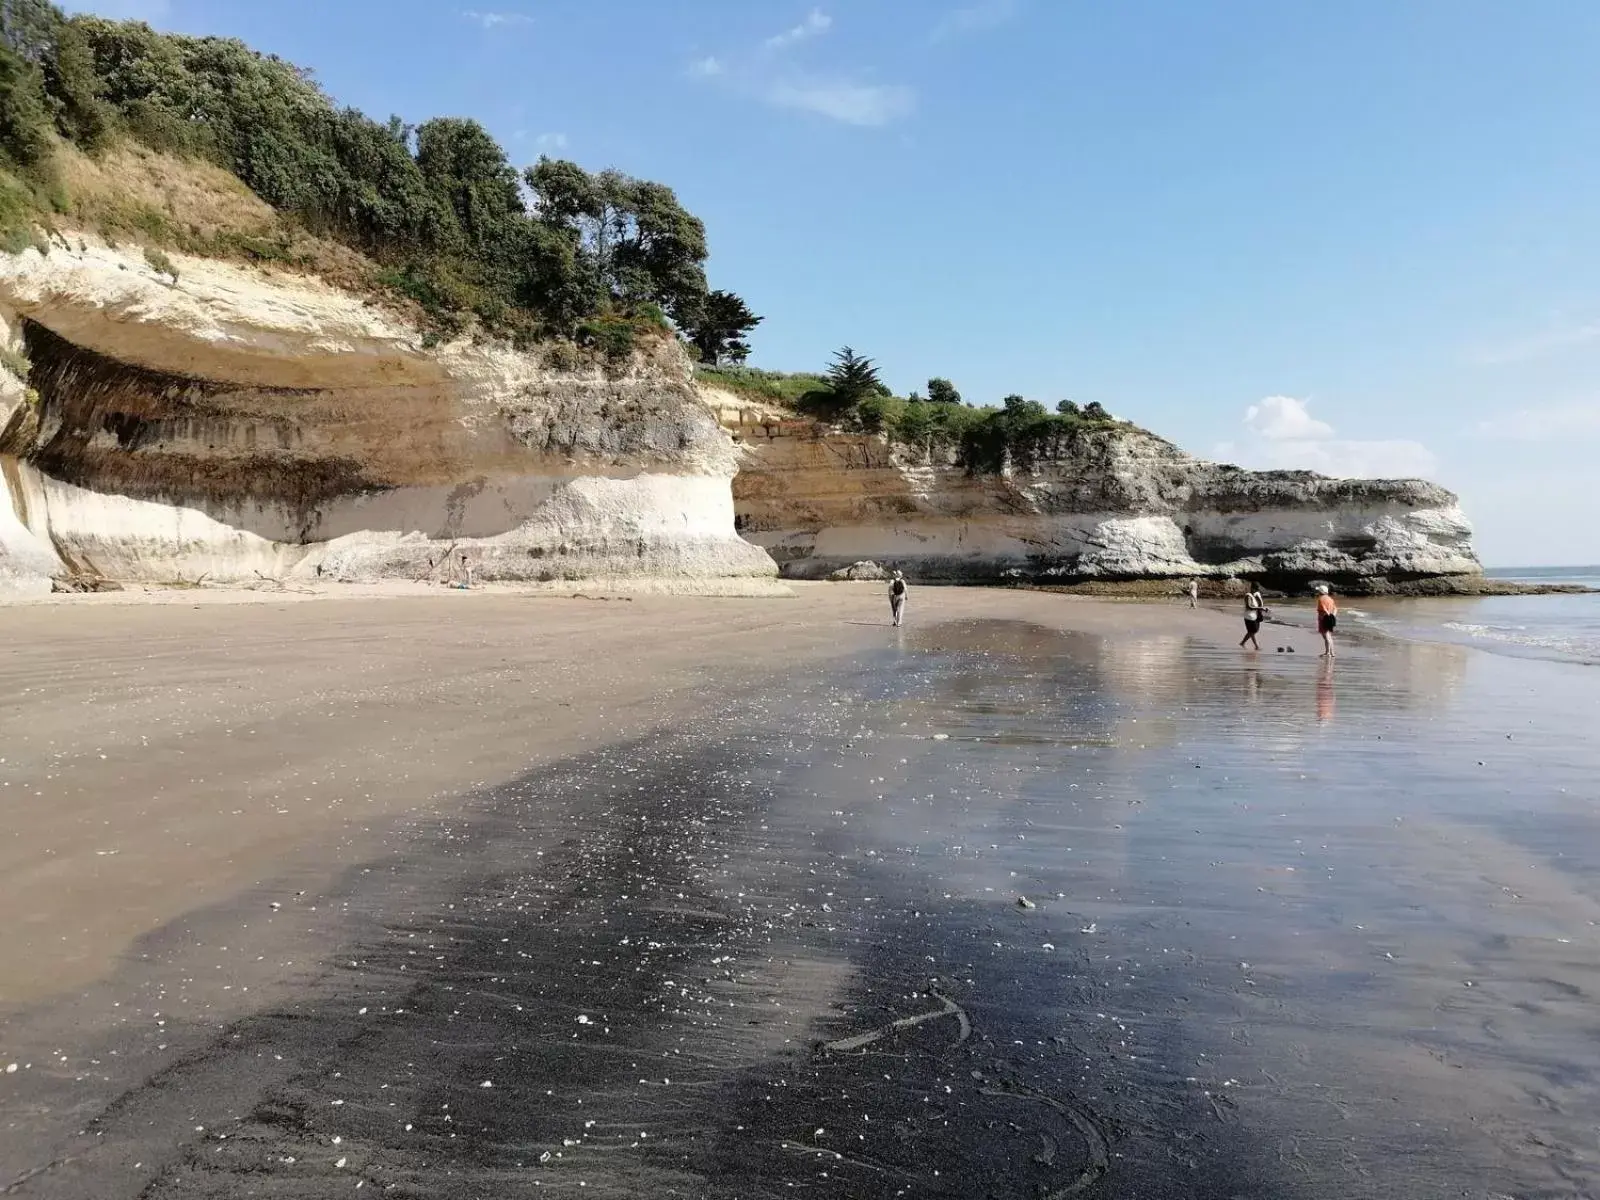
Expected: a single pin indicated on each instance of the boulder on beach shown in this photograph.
(859, 571)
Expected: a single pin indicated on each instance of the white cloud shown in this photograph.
(1284, 417)
(975, 18)
(1545, 424)
(551, 141)
(492, 20)
(766, 73)
(869, 104)
(123, 10)
(1284, 436)
(816, 24)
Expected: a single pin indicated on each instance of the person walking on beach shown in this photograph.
(1194, 593)
(1327, 618)
(1255, 612)
(897, 597)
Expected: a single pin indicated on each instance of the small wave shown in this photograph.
(1576, 648)
(1508, 631)
(1375, 620)
(1566, 641)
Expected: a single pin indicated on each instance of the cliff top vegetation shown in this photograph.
(204, 145)
(436, 210)
(851, 395)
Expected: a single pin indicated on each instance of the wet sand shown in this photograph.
(491, 895)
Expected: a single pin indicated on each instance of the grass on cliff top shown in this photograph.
(132, 195)
(23, 205)
(783, 388)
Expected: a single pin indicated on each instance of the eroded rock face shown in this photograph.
(1114, 504)
(235, 424)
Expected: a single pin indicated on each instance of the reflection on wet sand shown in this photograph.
(1150, 679)
(1304, 833)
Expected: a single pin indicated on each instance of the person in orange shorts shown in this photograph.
(1327, 618)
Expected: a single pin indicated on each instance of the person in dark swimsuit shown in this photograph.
(897, 597)
(1255, 611)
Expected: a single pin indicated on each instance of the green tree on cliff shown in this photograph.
(467, 172)
(1018, 409)
(24, 120)
(720, 329)
(633, 241)
(942, 391)
(852, 378)
(26, 37)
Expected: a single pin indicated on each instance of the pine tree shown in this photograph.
(720, 328)
(853, 378)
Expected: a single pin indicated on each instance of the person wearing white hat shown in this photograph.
(1327, 618)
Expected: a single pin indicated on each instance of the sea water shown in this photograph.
(1561, 627)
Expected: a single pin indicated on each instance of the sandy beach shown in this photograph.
(498, 894)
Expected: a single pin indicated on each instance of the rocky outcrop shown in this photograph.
(1108, 504)
(230, 424)
(861, 572)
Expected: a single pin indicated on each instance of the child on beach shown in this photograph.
(1327, 618)
(897, 597)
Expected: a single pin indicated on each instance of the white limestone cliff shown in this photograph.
(1112, 504)
(233, 424)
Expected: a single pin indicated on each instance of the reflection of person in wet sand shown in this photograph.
(1255, 611)
(1327, 618)
(1325, 691)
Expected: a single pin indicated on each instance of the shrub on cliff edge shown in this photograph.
(13, 360)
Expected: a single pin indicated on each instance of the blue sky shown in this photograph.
(1355, 237)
